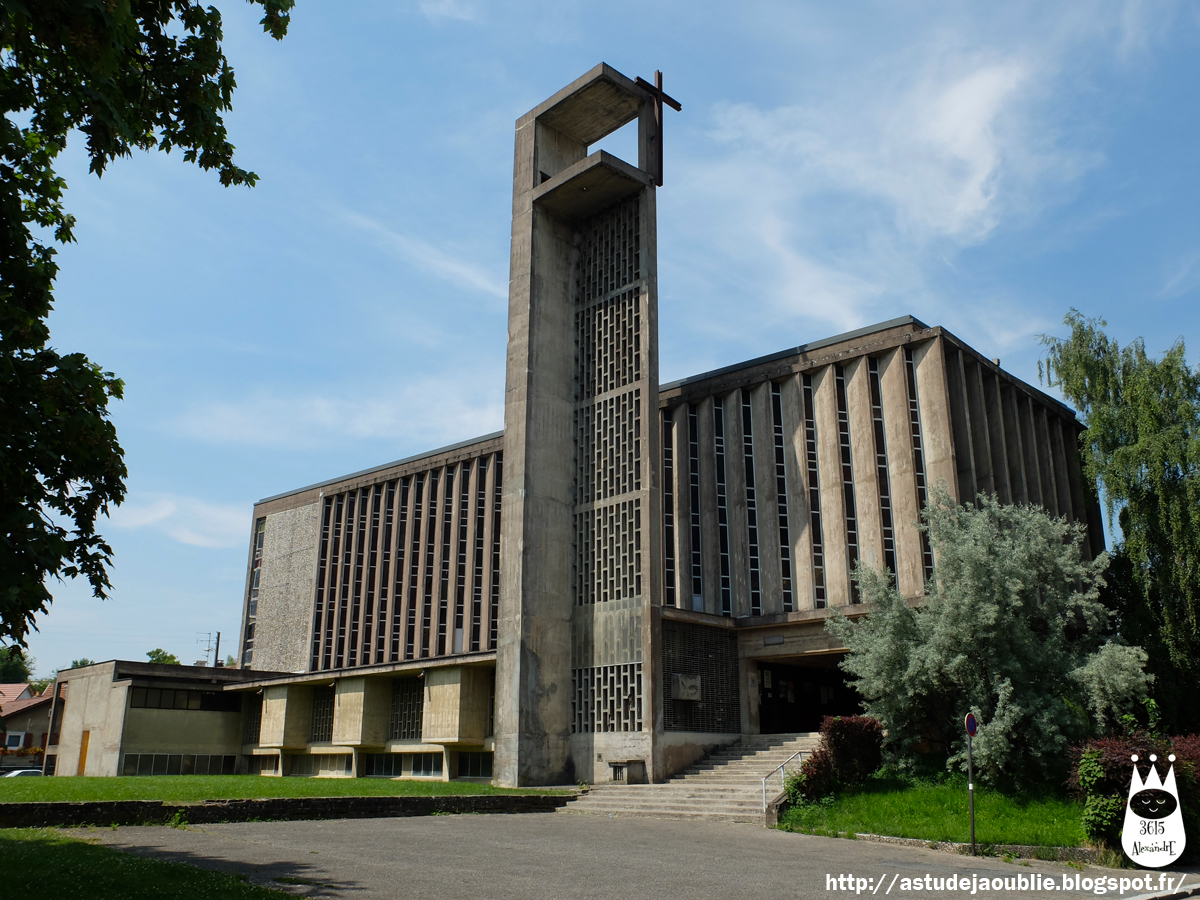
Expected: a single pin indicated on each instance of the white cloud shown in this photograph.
(1184, 277)
(420, 414)
(185, 519)
(449, 266)
(849, 204)
(448, 9)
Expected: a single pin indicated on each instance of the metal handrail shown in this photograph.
(779, 769)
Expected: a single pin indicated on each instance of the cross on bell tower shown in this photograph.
(656, 138)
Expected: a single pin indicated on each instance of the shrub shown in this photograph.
(1011, 629)
(856, 746)
(1102, 768)
(851, 750)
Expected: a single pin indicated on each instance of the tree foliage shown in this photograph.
(163, 658)
(125, 74)
(1142, 447)
(1011, 629)
(15, 667)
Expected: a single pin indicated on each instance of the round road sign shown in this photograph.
(972, 724)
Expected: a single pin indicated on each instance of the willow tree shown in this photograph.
(123, 75)
(1011, 628)
(1142, 448)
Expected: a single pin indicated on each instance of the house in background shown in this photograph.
(25, 722)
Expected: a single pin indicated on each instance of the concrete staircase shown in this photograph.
(723, 786)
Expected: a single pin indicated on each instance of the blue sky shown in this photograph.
(834, 165)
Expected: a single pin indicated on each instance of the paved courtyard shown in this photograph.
(571, 856)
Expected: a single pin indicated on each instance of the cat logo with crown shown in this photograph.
(1153, 835)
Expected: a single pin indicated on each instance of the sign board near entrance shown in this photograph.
(685, 687)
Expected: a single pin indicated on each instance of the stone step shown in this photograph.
(749, 819)
(724, 786)
(736, 808)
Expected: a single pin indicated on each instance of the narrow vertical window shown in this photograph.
(694, 508)
(843, 414)
(431, 533)
(385, 571)
(477, 577)
(372, 571)
(357, 594)
(345, 581)
(785, 542)
(414, 570)
(331, 599)
(881, 467)
(398, 589)
(460, 578)
(668, 505)
(914, 422)
(814, 495)
(494, 615)
(314, 662)
(751, 504)
(722, 507)
(446, 549)
(260, 532)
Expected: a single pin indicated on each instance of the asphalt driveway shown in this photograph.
(544, 856)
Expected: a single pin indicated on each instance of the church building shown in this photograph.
(631, 573)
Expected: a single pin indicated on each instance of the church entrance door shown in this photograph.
(796, 698)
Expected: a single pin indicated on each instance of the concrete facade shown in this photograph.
(630, 574)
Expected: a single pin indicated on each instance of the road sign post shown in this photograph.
(972, 727)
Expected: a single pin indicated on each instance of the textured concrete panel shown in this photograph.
(285, 595)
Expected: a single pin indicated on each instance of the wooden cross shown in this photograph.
(656, 91)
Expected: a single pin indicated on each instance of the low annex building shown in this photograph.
(631, 573)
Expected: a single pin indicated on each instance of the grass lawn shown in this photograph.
(937, 811)
(192, 788)
(38, 862)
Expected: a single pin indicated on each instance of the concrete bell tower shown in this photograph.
(575, 691)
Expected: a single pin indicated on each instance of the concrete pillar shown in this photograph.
(866, 479)
(906, 512)
(362, 711)
(981, 447)
(1029, 448)
(997, 441)
(799, 513)
(1014, 450)
(833, 508)
(1062, 475)
(286, 716)
(960, 425)
(937, 442)
(1045, 454)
